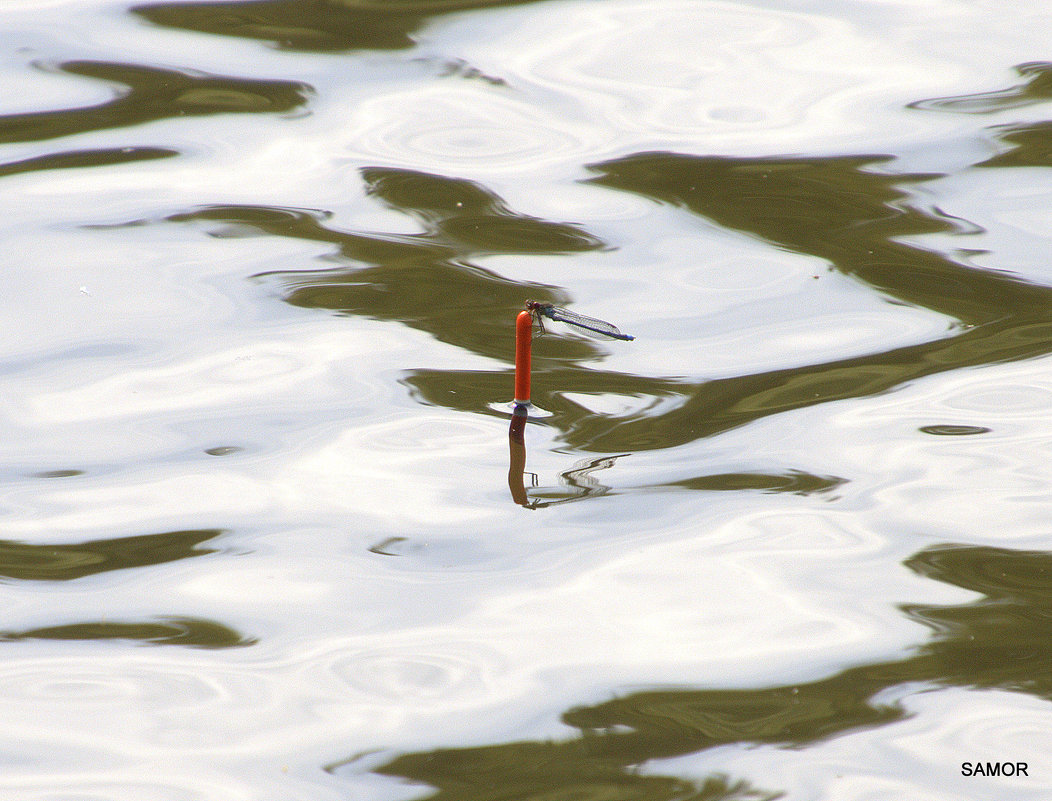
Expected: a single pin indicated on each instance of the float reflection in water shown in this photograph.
(575, 484)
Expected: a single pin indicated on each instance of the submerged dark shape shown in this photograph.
(34, 562)
(193, 632)
(1003, 640)
(151, 94)
(313, 25)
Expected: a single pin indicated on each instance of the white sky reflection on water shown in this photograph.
(368, 542)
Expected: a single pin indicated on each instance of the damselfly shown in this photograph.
(561, 315)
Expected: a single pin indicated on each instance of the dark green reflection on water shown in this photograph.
(857, 218)
(425, 280)
(314, 25)
(32, 562)
(583, 769)
(26, 562)
(1002, 640)
(1029, 146)
(186, 631)
(796, 482)
(844, 210)
(76, 159)
(152, 94)
(582, 482)
(1036, 87)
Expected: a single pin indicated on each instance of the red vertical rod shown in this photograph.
(523, 340)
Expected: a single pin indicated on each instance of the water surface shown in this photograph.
(265, 534)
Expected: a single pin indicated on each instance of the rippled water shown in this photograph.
(265, 533)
